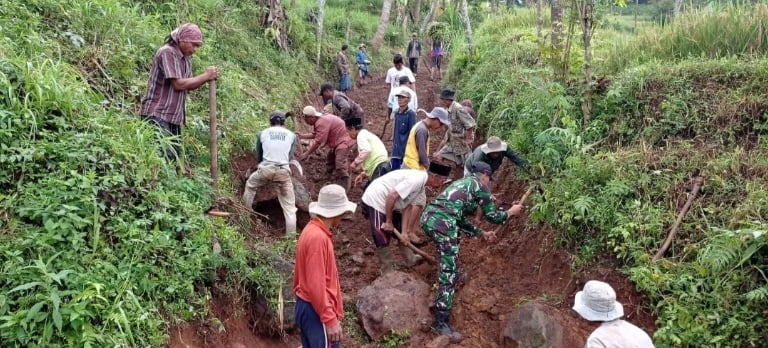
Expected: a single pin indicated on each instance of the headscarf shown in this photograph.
(187, 32)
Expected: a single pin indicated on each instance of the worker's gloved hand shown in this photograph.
(387, 226)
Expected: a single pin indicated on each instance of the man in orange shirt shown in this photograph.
(316, 279)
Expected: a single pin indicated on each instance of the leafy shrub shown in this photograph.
(615, 187)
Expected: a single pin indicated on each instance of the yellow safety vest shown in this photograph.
(411, 158)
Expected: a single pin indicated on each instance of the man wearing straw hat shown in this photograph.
(319, 307)
(493, 152)
(597, 302)
(443, 220)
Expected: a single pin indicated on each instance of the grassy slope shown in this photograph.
(101, 242)
(660, 125)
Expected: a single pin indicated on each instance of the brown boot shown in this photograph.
(385, 259)
(411, 259)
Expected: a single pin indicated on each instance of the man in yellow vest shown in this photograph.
(417, 157)
(417, 147)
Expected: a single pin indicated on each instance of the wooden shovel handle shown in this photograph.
(412, 247)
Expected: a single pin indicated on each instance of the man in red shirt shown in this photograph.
(316, 279)
(329, 130)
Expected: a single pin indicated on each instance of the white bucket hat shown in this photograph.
(331, 202)
(597, 302)
(494, 144)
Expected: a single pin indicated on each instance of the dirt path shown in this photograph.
(524, 264)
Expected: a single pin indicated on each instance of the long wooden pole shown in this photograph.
(214, 144)
(407, 243)
(672, 231)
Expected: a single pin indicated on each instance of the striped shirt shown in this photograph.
(162, 100)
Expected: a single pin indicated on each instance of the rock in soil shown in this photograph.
(358, 258)
(535, 324)
(396, 301)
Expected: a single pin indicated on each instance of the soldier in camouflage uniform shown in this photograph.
(457, 143)
(442, 221)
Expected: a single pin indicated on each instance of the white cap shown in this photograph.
(311, 111)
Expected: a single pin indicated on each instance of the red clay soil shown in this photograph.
(523, 264)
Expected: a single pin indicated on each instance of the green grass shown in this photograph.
(717, 32)
(102, 243)
(614, 188)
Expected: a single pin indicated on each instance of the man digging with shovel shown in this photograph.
(274, 148)
(442, 221)
(391, 201)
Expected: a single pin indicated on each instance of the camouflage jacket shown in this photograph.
(455, 203)
(460, 123)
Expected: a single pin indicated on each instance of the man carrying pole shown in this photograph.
(443, 220)
(274, 148)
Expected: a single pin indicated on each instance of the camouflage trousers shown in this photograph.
(442, 229)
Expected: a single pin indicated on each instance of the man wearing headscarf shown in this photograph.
(170, 77)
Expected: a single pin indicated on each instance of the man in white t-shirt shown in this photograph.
(597, 302)
(405, 85)
(394, 73)
(388, 203)
(274, 148)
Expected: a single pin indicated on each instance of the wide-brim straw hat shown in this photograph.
(331, 202)
(494, 144)
(597, 302)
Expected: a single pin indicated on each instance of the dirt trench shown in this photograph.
(523, 264)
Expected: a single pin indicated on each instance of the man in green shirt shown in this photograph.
(372, 159)
(443, 221)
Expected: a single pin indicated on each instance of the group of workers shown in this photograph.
(394, 197)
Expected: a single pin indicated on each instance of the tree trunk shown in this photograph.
(276, 20)
(429, 17)
(565, 60)
(678, 7)
(346, 31)
(464, 14)
(586, 11)
(319, 33)
(557, 34)
(417, 12)
(402, 15)
(378, 38)
(540, 19)
(494, 6)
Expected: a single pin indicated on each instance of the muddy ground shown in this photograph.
(522, 265)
